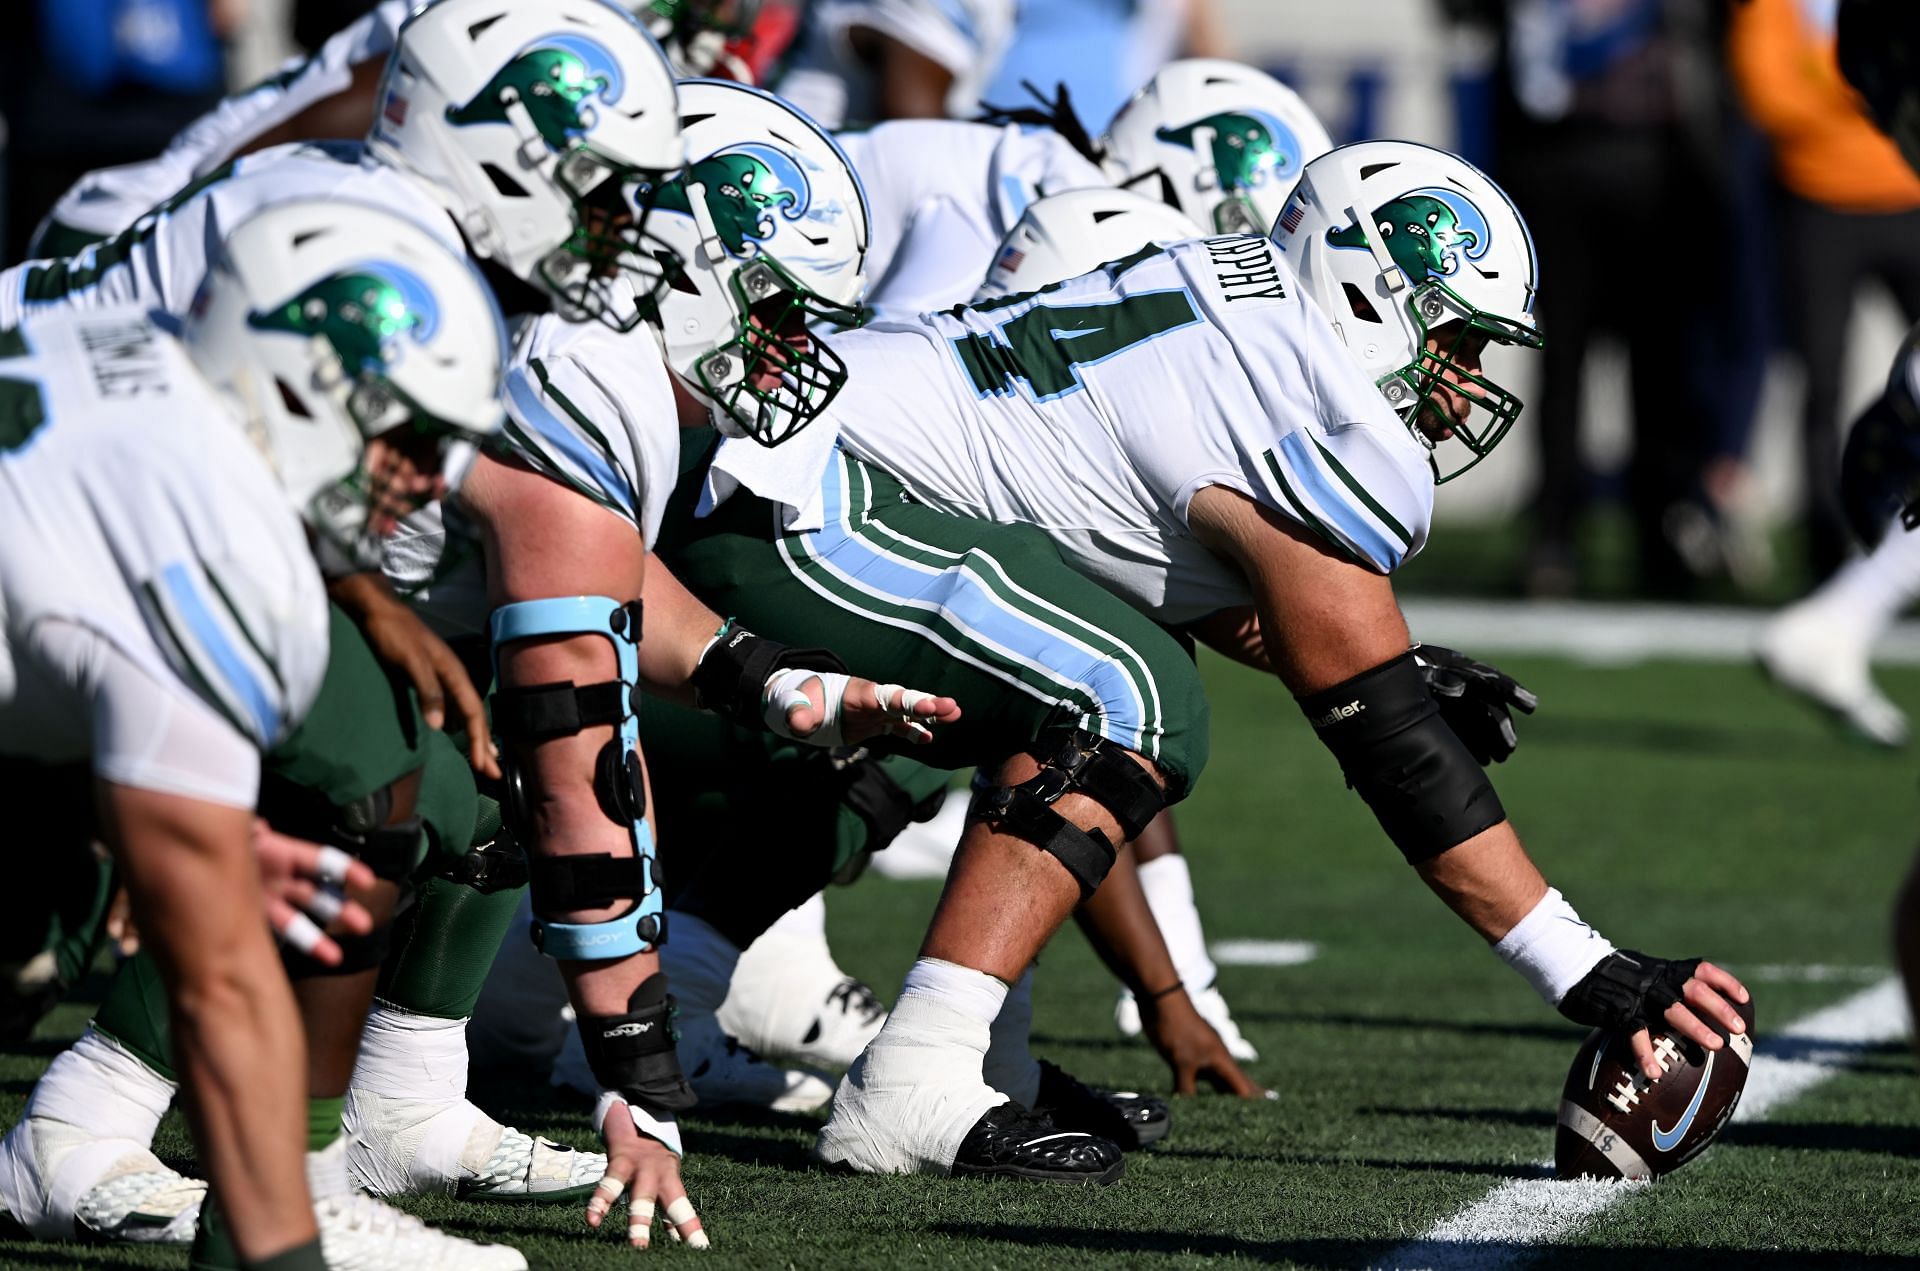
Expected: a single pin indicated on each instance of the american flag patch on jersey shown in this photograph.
(395, 110)
(1010, 258)
(1295, 212)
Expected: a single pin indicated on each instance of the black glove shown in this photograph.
(1628, 990)
(1475, 699)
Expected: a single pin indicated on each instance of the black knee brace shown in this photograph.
(1089, 765)
(1400, 756)
(633, 1054)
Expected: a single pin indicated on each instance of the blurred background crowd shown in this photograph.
(1731, 252)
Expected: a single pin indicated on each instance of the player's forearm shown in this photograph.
(241, 1058)
(1488, 880)
(678, 629)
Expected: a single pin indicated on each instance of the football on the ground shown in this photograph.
(1614, 1123)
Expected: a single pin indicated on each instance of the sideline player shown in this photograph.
(165, 622)
(1268, 525)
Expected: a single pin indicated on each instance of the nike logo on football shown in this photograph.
(1667, 1140)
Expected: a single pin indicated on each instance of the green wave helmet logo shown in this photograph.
(749, 188)
(1250, 147)
(557, 79)
(1429, 233)
(360, 313)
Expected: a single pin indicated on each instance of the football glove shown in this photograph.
(1476, 700)
(1628, 990)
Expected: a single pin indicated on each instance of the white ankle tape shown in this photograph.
(405, 1056)
(102, 1087)
(1552, 948)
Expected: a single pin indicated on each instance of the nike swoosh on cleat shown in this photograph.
(1665, 1140)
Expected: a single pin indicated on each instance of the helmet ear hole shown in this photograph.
(1361, 306)
(291, 400)
(506, 186)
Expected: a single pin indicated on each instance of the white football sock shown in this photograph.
(699, 963)
(805, 921)
(1872, 590)
(1169, 889)
(1010, 1066)
(100, 1086)
(327, 1172)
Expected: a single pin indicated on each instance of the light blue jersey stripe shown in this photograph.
(1332, 505)
(972, 606)
(226, 659)
(1015, 192)
(535, 414)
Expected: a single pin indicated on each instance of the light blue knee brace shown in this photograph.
(561, 710)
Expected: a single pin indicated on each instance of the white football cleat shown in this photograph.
(1213, 1009)
(1807, 652)
(359, 1233)
(62, 1183)
(790, 1001)
(385, 1136)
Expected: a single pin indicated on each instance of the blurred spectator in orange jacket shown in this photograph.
(1851, 211)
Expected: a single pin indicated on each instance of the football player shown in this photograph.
(499, 134)
(165, 624)
(1326, 380)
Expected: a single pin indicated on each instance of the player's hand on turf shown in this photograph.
(829, 709)
(306, 888)
(1477, 701)
(1627, 989)
(648, 1173)
(403, 642)
(1192, 1049)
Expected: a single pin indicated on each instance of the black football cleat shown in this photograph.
(1010, 1142)
(1133, 1121)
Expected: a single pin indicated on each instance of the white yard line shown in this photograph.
(1504, 1228)
(1608, 633)
(1263, 952)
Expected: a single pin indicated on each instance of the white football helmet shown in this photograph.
(1394, 240)
(1221, 141)
(329, 324)
(526, 118)
(770, 224)
(694, 33)
(1066, 235)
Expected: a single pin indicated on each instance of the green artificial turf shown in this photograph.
(1684, 810)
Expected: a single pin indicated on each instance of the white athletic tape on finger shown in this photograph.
(301, 933)
(899, 701)
(680, 1213)
(640, 1220)
(332, 866)
(325, 905)
(784, 693)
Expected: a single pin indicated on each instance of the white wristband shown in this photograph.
(1552, 948)
(660, 1128)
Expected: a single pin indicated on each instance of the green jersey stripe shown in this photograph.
(1373, 505)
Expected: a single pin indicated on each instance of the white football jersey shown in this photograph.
(943, 194)
(828, 81)
(158, 262)
(1095, 409)
(133, 508)
(587, 406)
(106, 201)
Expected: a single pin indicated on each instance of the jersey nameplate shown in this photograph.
(124, 358)
(1245, 269)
